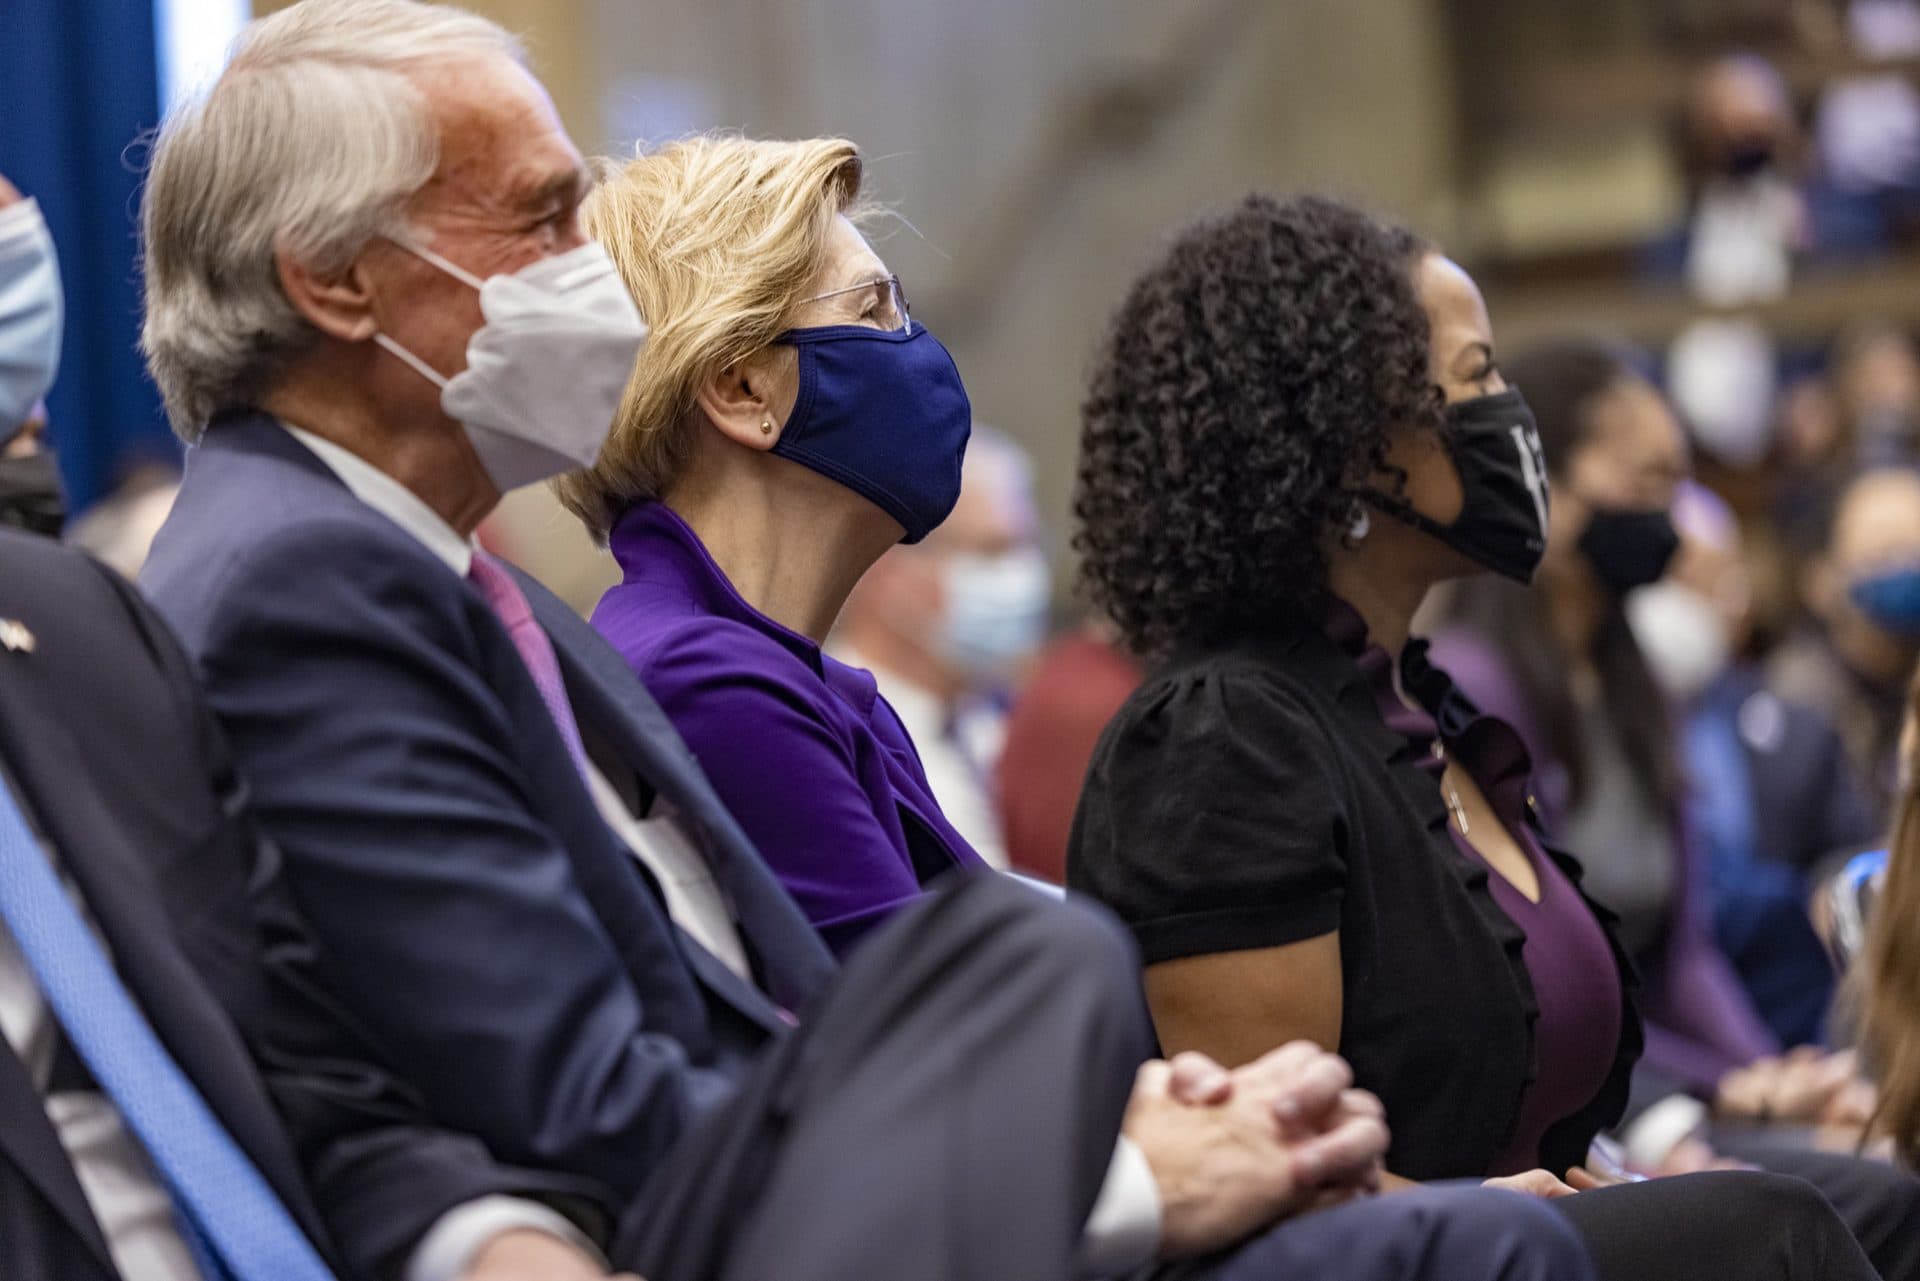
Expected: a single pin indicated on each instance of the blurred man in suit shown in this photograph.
(371, 309)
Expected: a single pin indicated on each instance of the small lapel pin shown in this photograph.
(15, 637)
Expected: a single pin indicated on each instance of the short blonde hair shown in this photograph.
(312, 140)
(718, 238)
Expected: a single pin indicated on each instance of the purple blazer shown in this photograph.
(802, 749)
(1700, 1021)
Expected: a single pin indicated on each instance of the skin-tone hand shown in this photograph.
(1852, 1106)
(1534, 1183)
(9, 194)
(1198, 1081)
(1695, 1156)
(1290, 1131)
(525, 1254)
(1804, 1085)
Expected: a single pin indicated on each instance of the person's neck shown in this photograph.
(1383, 587)
(883, 647)
(790, 551)
(433, 457)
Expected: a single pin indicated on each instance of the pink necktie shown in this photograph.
(536, 651)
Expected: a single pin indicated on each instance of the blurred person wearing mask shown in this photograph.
(1308, 831)
(1756, 210)
(32, 309)
(1876, 377)
(1559, 661)
(1862, 591)
(1770, 792)
(949, 626)
(1561, 664)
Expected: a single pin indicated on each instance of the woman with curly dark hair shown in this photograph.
(1295, 430)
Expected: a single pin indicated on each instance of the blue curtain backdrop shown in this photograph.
(78, 93)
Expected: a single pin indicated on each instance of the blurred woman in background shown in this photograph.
(1297, 428)
(787, 423)
(1560, 663)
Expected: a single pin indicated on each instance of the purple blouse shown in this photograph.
(800, 747)
(1576, 980)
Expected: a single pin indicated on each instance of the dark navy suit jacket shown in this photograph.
(106, 744)
(499, 945)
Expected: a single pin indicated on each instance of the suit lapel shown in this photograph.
(606, 692)
(28, 1140)
(118, 889)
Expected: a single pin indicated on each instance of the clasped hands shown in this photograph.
(1234, 1151)
(1231, 1152)
(1805, 1086)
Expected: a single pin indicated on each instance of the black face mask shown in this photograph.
(1745, 159)
(1503, 479)
(1629, 548)
(30, 494)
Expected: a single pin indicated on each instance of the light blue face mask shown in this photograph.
(996, 610)
(31, 313)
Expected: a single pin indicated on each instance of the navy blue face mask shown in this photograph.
(884, 413)
(1891, 600)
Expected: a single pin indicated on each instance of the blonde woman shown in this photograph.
(788, 422)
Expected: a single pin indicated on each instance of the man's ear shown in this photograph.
(339, 305)
(749, 401)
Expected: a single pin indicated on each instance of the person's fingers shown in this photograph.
(9, 194)
(1362, 1103)
(1534, 1183)
(1581, 1179)
(1197, 1079)
(1281, 1064)
(1349, 1152)
(1314, 1090)
(1152, 1078)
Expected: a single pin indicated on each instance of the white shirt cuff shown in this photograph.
(1123, 1232)
(449, 1246)
(1656, 1132)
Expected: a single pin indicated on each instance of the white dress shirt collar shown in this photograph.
(391, 499)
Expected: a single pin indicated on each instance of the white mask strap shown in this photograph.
(452, 268)
(418, 365)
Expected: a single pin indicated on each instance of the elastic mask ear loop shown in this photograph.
(453, 269)
(414, 362)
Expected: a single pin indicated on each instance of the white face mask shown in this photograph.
(546, 372)
(1682, 635)
(996, 610)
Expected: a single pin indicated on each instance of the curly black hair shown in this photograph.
(1240, 403)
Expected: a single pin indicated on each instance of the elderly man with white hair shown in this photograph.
(371, 310)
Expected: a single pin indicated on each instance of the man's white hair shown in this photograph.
(313, 139)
